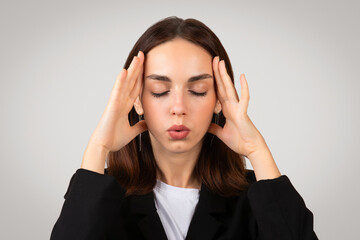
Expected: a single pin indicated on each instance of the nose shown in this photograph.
(178, 104)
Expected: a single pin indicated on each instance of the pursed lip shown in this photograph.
(178, 128)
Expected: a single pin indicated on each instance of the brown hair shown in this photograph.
(218, 167)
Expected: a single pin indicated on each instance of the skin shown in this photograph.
(179, 60)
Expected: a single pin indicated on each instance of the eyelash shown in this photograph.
(195, 93)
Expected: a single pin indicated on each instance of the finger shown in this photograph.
(122, 80)
(134, 70)
(245, 96)
(139, 81)
(118, 84)
(138, 128)
(215, 130)
(219, 83)
(229, 86)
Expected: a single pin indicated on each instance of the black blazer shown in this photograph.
(94, 208)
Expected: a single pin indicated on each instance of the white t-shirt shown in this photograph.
(175, 206)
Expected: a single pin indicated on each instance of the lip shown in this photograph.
(178, 128)
(178, 134)
(178, 131)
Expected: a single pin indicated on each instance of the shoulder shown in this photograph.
(250, 176)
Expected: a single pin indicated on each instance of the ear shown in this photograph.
(217, 107)
(138, 106)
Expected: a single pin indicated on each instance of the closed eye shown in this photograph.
(164, 93)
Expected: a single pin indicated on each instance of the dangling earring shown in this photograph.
(140, 118)
(217, 123)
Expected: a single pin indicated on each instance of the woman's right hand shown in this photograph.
(113, 130)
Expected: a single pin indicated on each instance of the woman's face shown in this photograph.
(178, 100)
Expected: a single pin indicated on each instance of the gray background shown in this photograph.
(59, 61)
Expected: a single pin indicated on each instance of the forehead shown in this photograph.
(178, 57)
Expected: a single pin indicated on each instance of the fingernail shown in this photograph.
(138, 54)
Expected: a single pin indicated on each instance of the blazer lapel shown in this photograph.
(203, 225)
(149, 220)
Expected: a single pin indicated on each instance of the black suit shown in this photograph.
(94, 208)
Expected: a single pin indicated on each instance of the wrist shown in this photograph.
(260, 151)
(94, 158)
(94, 147)
(264, 164)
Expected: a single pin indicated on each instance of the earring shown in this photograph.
(140, 118)
(217, 123)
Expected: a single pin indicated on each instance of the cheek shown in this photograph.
(203, 112)
(152, 111)
(206, 104)
(206, 110)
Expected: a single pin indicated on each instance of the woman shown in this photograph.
(184, 176)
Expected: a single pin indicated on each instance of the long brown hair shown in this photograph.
(218, 167)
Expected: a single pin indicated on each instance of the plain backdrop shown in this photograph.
(59, 61)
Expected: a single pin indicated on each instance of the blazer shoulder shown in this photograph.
(250, 176)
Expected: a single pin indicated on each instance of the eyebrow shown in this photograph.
(166, 79)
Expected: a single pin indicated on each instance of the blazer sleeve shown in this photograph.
(90, 202)
(280, 211)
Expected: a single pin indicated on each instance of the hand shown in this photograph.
(113, 130)
(238, 133)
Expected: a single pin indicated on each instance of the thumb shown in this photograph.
(139, 127)
(215, 130)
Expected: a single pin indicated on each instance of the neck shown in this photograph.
(177, 169)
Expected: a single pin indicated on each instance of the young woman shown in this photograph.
(174, 134)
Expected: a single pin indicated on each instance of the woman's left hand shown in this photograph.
(238, 133)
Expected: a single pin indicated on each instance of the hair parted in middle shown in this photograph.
(218, 167)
